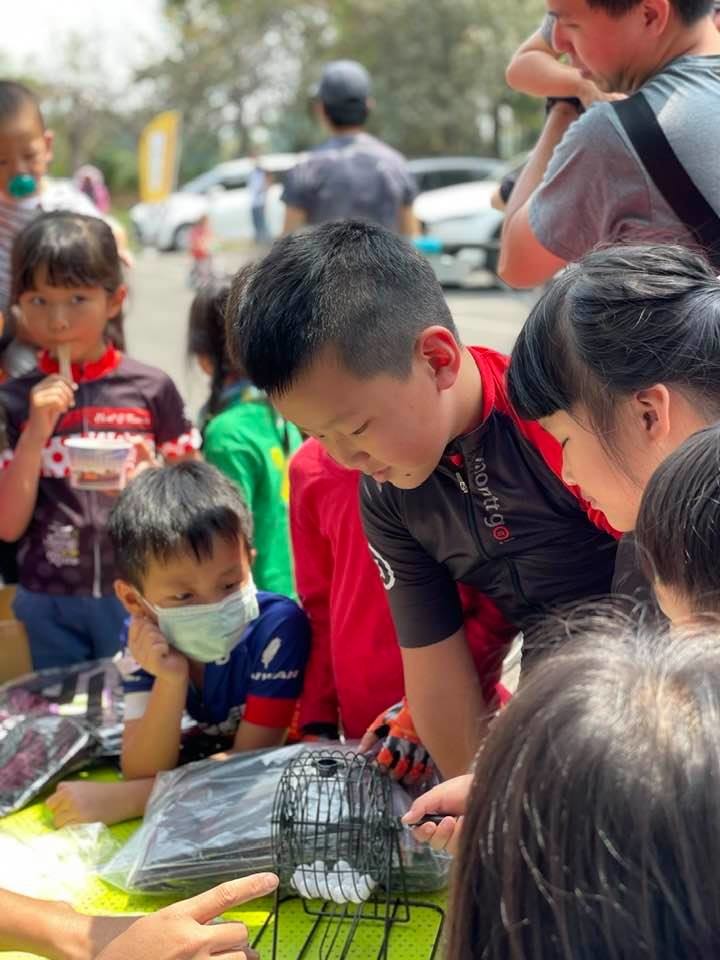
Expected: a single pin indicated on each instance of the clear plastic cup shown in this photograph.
(98, 463)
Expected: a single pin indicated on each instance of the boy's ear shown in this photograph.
(129, 597)
(440, 352)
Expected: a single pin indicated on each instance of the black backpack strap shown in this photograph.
(668, 174)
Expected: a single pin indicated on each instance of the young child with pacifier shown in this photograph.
(202, 638)
(72, 428)
(26, 153)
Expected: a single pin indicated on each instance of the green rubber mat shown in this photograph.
(412, 940)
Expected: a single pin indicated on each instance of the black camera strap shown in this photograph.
(668, 174)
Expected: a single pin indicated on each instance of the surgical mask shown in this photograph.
(209, 632)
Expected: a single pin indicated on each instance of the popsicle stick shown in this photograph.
(63, 355)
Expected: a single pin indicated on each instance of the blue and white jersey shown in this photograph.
(260, 683)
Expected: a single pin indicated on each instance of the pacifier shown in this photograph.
(22, 185)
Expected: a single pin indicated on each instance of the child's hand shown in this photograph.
(589, 92)
(73, 803)
(153, 653)
(450, 798)
(84, 801)
(49, 399)
(144, 458)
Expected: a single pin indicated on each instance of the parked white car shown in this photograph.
(432, 173)
(222, 194)
(461, 230)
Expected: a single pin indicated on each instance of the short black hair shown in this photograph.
(350, 285)
(689, 11)
(14, 97)
(172, 510)
(678, 525)
(75, 251)
(620, 320)
(349, 113)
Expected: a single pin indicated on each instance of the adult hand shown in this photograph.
(49, 399)
(401, 751)
(184, 930)
(449, 798)
(153, 653)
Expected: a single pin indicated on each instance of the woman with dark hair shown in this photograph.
(620, 361)
(592, 828)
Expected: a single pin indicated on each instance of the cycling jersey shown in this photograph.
(495, 515)
(355, 670)
(65, 550)
(260, 681)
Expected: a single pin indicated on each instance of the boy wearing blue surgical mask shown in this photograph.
(201, 639)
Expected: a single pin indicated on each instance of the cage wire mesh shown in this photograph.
(335, 842)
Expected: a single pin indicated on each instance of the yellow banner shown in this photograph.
(158, 156)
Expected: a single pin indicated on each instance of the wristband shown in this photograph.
(574, 101)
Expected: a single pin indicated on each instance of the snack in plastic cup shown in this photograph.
(98, 463)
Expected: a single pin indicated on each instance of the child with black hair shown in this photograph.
(68, 287)
(246, 438)
(678, 528)
(348, 331)
(26, 152)
(202, 638)
(591, 825)
(620, 361)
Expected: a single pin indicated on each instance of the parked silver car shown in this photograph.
(222, 194)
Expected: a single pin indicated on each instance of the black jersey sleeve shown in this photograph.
(423, 596)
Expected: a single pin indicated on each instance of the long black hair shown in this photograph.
(206, 338)
(619, 321)
(75, 251)
(593, 826)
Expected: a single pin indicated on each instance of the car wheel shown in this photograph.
(181, 237)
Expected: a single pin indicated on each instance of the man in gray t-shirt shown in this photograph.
(353, 174)
(584, 184)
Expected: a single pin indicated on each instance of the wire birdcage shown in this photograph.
(336, 848)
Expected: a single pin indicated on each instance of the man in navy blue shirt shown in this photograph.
(352, 174)
(201, 638)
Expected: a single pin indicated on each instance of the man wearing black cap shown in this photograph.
(352, 174)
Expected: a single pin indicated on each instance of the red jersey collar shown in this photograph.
(488, 383)
(82, 372)
(453, 451)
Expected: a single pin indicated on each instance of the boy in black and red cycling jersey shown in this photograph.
(347, 330)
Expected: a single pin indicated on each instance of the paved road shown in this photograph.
(159, 301)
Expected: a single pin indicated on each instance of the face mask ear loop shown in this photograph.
(149, 608)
